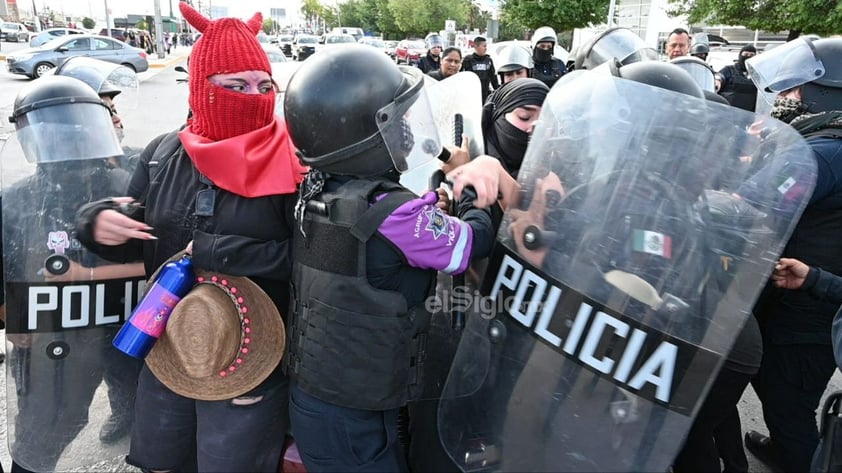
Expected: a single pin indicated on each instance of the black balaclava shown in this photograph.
(503, 140)
(741, 61)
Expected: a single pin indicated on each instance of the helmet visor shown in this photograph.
(785, 67)
(105, 78)
(699, 71)
(67, 132)
(407, 125)
(619, 43)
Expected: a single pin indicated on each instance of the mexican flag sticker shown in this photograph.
(653, 243)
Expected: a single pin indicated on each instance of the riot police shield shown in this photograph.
(456, 103)
(647, 224)
(70, 394)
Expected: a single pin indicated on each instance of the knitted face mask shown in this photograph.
(786, 110)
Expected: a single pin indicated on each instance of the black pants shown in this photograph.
(700, 453)
(729, 442)
(790, 385)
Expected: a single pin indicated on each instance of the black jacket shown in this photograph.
(245, 236)
(429, 63)
(483, 67)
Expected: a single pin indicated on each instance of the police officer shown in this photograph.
(548, 68)
(482, 65)
(700, 50)
(515, 63)
(432, 60)
(798, 358)
(614, 44)
(365, 258)
(64, 127)
(734, 83)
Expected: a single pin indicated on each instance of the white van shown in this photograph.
(357, 33)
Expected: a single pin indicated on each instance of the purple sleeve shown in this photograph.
(428, 237)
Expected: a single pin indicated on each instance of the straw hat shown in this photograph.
(222, 339)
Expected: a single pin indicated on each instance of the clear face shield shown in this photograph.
(408, 126)
(619, 43)
(787, 66)
(105, 78)
(701, 73)
(68, 131)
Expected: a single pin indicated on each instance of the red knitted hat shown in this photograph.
(227, 45)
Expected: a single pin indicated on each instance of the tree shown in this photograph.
(269, 26)
(822, 17)
(312, 10)
(88, 23)
(419, 17)
(561, 15)
(141, 25)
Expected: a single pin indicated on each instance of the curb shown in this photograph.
(152, 65)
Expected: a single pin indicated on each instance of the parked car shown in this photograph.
(375, 42)
(117, 33)
(409, 51)
(285, 43)
(51, 34)
(304, 47)
(13, 32)
(34, 62)
(273, 53)
(390, 48)
(333, 40)
(357, 33)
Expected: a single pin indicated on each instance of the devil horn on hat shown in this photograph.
(255, 24)
(196, 19)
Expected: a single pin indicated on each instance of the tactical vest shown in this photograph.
(549, 72)
(740, 92)
(349, 343)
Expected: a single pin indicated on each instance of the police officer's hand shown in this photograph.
(790, 273)
(535, 217)
(114, 228)
(459, 155)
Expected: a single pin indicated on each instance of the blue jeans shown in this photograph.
(176, 433)
(331, 438)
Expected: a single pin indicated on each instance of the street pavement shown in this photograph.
(162, 106)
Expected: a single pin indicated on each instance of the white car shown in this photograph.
(13, 32)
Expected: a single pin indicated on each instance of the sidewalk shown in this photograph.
(176, 55)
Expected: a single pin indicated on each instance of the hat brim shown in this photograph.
(266, 349)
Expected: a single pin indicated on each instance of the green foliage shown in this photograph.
(561, 15)
(141, 25)
(823, 17)
(419, 17)
(268, 25)
(88, 23)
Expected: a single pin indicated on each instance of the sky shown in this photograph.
(120, 8)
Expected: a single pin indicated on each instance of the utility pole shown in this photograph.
(159, 30)
(107, 20)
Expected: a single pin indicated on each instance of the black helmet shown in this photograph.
(659, 74)
(701, 71)
(614, 43)
(700, 49)
(60, 118)
(345, 111)
(825, 93)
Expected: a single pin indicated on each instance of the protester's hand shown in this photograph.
(484, 174)
(790, 273)
(189, 248)
(459, 155)
(114, 228)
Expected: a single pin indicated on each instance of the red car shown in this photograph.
(409, 51)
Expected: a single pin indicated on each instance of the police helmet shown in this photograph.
(659, 74)
(701, 71)
(345, 108)
(700, 50)
(614, 43)
(825, 93)
(433, 41)
(61, 118)
(512, 58)
(106, 78)
(544, 34)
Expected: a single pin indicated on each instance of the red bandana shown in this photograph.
(254, 164)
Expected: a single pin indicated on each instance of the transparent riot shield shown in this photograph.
(648, 223)
(70, 394)
(456, 102)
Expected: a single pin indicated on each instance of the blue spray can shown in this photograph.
(149, 318)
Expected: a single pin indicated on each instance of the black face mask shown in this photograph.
(511, 144)
(542, 55)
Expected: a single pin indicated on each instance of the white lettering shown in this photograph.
(601, 321)
(662, 361)
(67, 292)
(546, 315)
(510, 281)
(99, 306)
(526, 281)
(49, 305)
(578, 327)
(630, 354)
